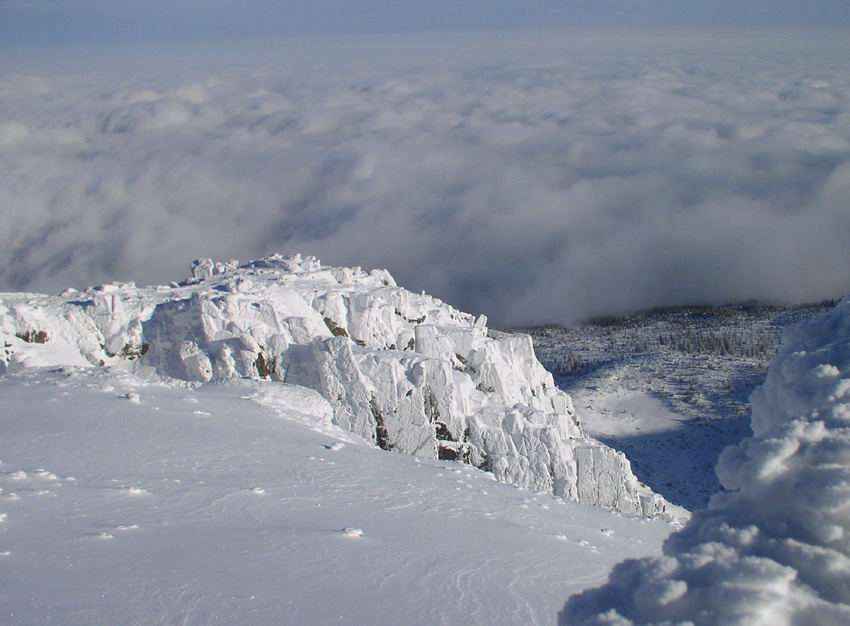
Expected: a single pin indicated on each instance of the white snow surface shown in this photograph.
(126, 500)
(405, 371)
(773, 549)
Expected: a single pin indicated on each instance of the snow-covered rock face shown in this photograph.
(405, 371)
(775, 548)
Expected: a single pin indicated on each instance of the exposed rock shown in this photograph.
(33, 336)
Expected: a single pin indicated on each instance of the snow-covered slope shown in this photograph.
(136, 502)
(775, 548)
(404, 371)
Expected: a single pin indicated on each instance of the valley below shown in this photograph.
(670, 388)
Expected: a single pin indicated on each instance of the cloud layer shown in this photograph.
(538, 178)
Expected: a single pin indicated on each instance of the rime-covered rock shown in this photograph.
(405, 371)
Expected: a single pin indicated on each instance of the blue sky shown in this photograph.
(40, 22)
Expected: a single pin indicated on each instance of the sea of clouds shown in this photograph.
(533, 177)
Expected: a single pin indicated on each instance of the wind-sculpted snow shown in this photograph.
(404, 371)
(774, 549)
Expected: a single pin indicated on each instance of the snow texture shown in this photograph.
(774, 549)
(404, 371)
(126, 501)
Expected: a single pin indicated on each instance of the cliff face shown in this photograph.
(405, 371)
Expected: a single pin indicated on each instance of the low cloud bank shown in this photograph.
(775, 548)
(534, 179)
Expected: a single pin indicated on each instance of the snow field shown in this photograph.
(201, 504)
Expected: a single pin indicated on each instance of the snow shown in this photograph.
(669, 388)
(408, 372)
(636, 413)
(222, 503)
(773, 548)
(673, 453)
(210, 452)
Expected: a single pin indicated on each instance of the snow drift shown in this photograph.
(405, 371)
(774, 549)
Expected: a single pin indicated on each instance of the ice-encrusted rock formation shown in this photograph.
(773, 550)
(405, 371)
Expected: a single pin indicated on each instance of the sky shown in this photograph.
(41, 22)
(533, 175)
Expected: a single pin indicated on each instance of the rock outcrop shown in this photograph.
(402, 370)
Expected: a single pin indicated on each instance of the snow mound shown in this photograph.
(775, 548)
(404, 371)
